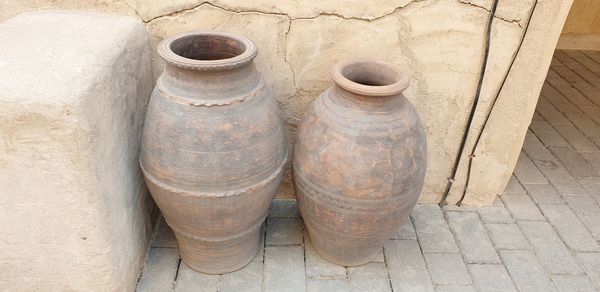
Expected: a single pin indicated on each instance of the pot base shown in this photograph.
(219, 257)
(337, 254)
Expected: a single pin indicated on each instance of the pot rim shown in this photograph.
(247, 56)
(400, 83)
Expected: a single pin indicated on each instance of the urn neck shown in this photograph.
(369, 85)
(206, 64)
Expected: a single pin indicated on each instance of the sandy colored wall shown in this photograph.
(584, 17)
(582, 27)
(440, 43)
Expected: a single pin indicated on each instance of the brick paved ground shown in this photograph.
(541, 235)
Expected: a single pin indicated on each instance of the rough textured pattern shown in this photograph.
(537, 249)
(73, 88)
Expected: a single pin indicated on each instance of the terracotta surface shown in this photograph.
(359, 161)
(213, 148)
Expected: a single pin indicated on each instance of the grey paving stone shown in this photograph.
(550, 250)
(564, 106)
(583, 123)
(544, 194)
(284, 231)
(406, 231)
(591, 186)
(163, 236)
(522, 207)
(247, 279)
(369, 277)
(287, 208)
(432, 230)
(284, 269)
(552, 95)
(551, 114)
(547, 135)
(588, 211)
(593, 158)
(447, 269)
(568, 91)
(378, 258)
(318, 267)
(559, 177)
(159, 270)
(572, 283)
(525, 270)
(575, 164)
(498, 202)
(591, 264)
(514, 187)
(576, 139)
(472, 238)
(327, 285)
(591, 111)
(490, 214)
(535, 150)
(507, 236)
(585, 58)
(596, 140)
(491, 278)
(189, 280)
(455, 288)
(456, 208)
(406, 266)
(527, 173)
(570, 228)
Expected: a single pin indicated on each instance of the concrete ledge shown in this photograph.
(74, 210)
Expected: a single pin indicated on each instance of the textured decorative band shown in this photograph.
(231, 193)
(219, 239)
(340, 203)
(209, 67)
(211, 102)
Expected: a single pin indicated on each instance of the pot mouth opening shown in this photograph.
(207, 50)
(370, 77)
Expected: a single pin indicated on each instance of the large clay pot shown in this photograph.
(359, 161)
(213, 148)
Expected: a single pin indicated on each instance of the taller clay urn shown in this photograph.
(359, 161)
(213, 148)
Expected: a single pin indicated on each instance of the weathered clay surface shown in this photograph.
(74, 210)
(359, 161)
(213, 148)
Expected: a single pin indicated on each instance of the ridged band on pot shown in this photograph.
(213, 148)
(359, 161)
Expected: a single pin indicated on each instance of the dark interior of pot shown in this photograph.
(370, 73)
(207, 47)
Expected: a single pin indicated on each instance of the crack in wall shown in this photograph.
(258, 11)
(515, 21)
(285, 58)
(290, 22)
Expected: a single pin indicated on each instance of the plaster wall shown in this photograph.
(440, 43)
(75, 214)
(582, 27)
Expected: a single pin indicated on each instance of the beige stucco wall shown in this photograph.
(75, 214)
(582, 28)
(584, 17)
(439, 42)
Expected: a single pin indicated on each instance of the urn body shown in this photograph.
(213, 148)
(359, 161)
